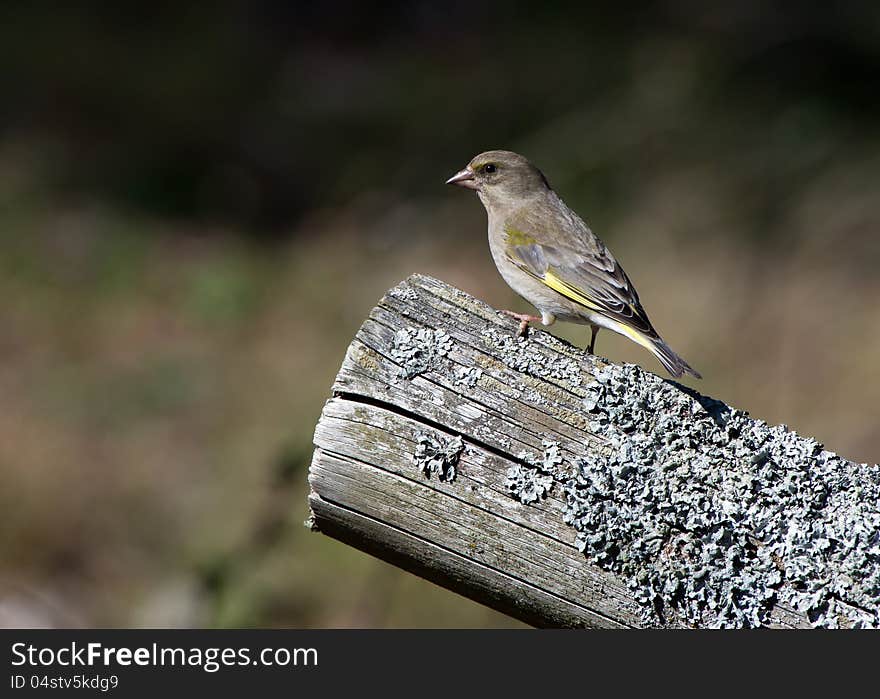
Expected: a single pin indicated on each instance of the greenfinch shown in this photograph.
(550, 257)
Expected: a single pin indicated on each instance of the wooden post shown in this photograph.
(569, 492)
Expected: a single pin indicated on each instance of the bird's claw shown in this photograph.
(524, 320)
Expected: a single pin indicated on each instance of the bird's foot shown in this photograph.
(594, 330)
(524, 320)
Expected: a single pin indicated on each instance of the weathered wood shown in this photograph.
(505, 399)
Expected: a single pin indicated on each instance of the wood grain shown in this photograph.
(469, 535)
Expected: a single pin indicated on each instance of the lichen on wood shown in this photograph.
(437, 455)
(718, 516)
(568, 491)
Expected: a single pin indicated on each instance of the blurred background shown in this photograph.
(199, 207)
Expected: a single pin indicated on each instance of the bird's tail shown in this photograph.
(652, 342)
(674, 364)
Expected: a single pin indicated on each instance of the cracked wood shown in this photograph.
(469, 535)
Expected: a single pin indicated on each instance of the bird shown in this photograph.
(550, 257)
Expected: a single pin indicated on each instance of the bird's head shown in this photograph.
(501, 177)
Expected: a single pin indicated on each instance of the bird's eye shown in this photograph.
(489, 168)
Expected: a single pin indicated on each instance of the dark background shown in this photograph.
(198, 207)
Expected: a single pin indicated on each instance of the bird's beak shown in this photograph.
(463, 178)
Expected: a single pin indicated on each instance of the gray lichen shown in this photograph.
(438, 455)
(467, 376)
(714, 517)
(418, 351)
(551, 460)
(407, 293)
(517, 353)
(534, 397)
(530, 482)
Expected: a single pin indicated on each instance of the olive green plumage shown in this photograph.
(550, 257)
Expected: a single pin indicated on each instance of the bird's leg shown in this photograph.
(524, 320)
(594, 330)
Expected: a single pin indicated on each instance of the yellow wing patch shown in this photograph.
(637, 337)
(576, 295)
(567, 290)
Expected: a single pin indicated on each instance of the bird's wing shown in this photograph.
(555, 246)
